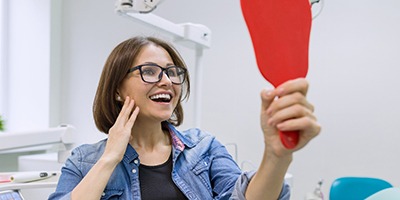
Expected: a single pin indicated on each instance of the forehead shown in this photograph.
(153, 53)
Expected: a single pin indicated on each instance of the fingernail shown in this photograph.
(280, 91)
(269, 94)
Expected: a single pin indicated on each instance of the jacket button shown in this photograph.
(133, 170)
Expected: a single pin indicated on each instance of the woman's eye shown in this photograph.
(172, 73)
(148, 71)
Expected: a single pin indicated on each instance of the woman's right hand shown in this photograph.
(118, 138)
(120, 133)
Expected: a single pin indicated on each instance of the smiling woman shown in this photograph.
(145, 156)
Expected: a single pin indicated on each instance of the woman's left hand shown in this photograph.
(290, 111)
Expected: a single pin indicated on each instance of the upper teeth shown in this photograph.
(161, 96)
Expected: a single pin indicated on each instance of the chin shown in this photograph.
(164, 118)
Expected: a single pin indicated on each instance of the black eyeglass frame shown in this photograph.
(139, 67)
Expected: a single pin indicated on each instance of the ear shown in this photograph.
(118, 96)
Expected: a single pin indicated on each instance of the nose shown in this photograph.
(165, 80)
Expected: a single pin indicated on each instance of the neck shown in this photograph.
(148, 136)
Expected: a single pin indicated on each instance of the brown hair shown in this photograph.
(105, 106)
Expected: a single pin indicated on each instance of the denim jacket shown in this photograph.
(202, 169)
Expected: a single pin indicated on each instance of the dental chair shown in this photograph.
(356, 188)
(386, 194)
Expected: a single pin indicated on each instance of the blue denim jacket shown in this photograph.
(202, 169)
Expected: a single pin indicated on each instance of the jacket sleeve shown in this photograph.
(70, 177)
(228, 181)
(244, 180)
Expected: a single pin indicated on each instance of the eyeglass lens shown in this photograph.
(152, 73)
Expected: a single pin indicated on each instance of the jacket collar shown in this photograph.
(179, 141)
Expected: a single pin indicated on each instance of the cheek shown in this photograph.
(133, 89)
(178, 91)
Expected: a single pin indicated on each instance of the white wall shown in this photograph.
(28, 64)
(354, 60)
(3, 58)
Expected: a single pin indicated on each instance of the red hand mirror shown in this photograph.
(280, 33)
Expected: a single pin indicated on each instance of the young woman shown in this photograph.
(138, 104)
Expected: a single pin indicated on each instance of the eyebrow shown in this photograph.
(168, 64)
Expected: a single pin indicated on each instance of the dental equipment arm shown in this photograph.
(63, 135)
(192, 35)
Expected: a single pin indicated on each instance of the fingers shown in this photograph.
(267, 97)
(133, 117)
(125, 120)
(287, 108)
(290, 102)
(287, 113)
(296, 85)
(120, 133)
(308, 127)
(306, 123)
(125, 112)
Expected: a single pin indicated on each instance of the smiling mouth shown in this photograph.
(164, 98)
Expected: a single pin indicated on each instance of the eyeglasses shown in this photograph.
(153, 73)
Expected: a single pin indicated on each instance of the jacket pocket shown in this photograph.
(201, 170)
(112, 194)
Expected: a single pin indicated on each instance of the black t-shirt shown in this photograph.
(156, 182)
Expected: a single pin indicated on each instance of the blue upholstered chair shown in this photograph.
(356, 188)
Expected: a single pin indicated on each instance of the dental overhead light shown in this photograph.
(140, 6)
(147, 6)
(314, 1)
(316, 7)
(188, 34)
